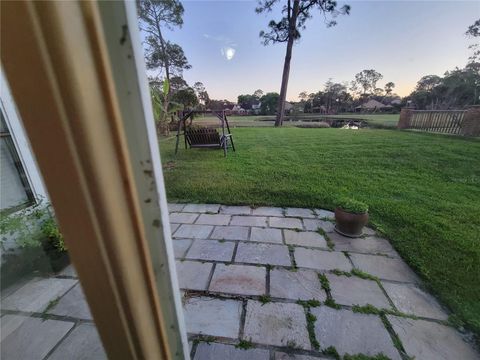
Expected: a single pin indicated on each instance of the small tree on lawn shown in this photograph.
(287, 29)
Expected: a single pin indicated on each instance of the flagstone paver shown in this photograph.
(294, 285)
(384, 268)
(427, 340)
(72, 304)
(211, 250)
(324, 214)
(30, 338)
(411, 300)
(321, 260)
(213, 219)
(315, 224)
(82, 343)
(285, 356)
(180, 247)
(285, 223)
(297, 212)
(304, 238)
(193, 231)
(183, 218)
(36, 294)
(352, 333)
(266, 235)
(259, 253)
(175, 207)
(276, 324)
(211, 351)
(369, 231)
(249, 221)
(235, 210)
(227, 307)
(193, 275)
(239, 279)
(230, 233)
(268, 211)
(369, 245)
(69, 271)
(211, 316)
(202, 208)
(173, 227)
(355, 291)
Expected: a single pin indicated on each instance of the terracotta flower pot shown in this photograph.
(349, 224)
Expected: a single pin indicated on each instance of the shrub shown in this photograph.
(352, 206)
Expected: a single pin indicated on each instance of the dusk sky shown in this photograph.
(403, 40)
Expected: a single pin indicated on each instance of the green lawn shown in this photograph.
(423, 191)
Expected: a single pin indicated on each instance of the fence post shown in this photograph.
(471, 122)
(405, 117)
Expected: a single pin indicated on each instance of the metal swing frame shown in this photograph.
(204, 137)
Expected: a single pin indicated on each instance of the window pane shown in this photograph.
(12, 192)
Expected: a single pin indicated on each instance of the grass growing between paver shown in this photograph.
(422, 190)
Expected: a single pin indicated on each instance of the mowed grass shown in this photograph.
(423, 191)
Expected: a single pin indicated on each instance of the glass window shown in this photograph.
(15, 192)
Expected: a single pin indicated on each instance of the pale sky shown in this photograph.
(403, 40)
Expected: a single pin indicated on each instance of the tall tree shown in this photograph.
(160, 53)
(258, 93)
(269, 103)
(367, 80)
(201, 92)
(474, 32)
(389, 88)
(295, 13)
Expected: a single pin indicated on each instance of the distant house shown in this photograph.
(288, 106)
(373, 106)
(256, 108)
(237, 109)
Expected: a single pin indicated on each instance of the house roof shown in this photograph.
(372, 104)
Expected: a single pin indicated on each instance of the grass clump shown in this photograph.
(265, 299)
(311, 330)
(331, 303)
(49, 306)
(363, 275)
(324, 282)
(366, 309)
(330, 243)
(339, 272)
(331, 351)
(309, 303)
(244, 345)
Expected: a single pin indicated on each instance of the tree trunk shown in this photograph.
(286, 64)
(167, 68)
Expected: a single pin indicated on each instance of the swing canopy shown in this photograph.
(204, 137)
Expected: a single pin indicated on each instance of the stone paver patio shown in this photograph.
(264, 283)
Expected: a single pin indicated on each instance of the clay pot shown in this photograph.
(349, 224)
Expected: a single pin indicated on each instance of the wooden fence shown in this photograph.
(459, 122)
(446, 121)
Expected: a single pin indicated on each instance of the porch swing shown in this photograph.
(204, 137)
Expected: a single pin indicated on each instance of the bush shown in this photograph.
(352, 206)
